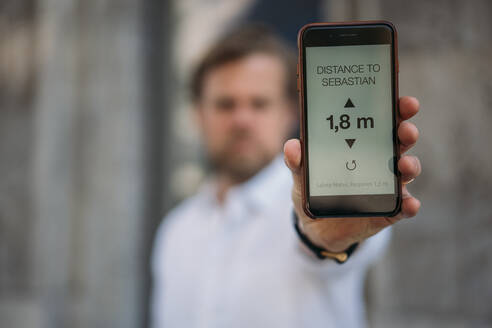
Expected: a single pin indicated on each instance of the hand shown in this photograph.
(337, 234)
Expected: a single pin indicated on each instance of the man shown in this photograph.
(229, 256)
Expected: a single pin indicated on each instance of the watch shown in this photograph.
(321, 253)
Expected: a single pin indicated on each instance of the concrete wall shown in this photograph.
(78, 204)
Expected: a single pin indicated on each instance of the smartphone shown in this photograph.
(348, 85)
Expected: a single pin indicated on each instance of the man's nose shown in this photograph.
(243, 116)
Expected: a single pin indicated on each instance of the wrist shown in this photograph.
(321, 252)
(313, 234)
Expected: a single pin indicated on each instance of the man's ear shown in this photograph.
(197, 116)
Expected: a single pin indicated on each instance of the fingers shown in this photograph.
(409, 208)
(292, 155)
(408, 135)
(410, 168)
(292, 158)
(410, 205)
(409, 106)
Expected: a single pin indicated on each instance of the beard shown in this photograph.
(240, 157)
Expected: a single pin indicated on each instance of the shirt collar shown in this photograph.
(258, 191)
(263, 188)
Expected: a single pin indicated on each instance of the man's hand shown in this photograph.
(337, 234)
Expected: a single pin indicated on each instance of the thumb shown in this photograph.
(292, 158)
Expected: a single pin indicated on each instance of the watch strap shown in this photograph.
(320, 252)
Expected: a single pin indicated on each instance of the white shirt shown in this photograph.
(240, 264)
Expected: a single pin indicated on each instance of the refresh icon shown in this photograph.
(352, 166)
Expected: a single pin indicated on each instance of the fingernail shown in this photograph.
(416, 163)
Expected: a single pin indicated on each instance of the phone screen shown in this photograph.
(350, 120)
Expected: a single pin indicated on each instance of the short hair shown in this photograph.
(240, 43)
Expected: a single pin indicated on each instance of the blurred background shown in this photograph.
(97, 143)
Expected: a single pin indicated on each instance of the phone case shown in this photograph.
(300, 88)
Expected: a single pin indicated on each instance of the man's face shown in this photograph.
(244, 114)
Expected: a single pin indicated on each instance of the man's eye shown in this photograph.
(260, 104)
(224, 104)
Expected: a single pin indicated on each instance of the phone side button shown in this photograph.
(297, 77)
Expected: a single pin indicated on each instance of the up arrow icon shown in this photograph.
(349, 104)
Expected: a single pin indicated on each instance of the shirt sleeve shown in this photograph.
(158, 270)
(156, 265)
